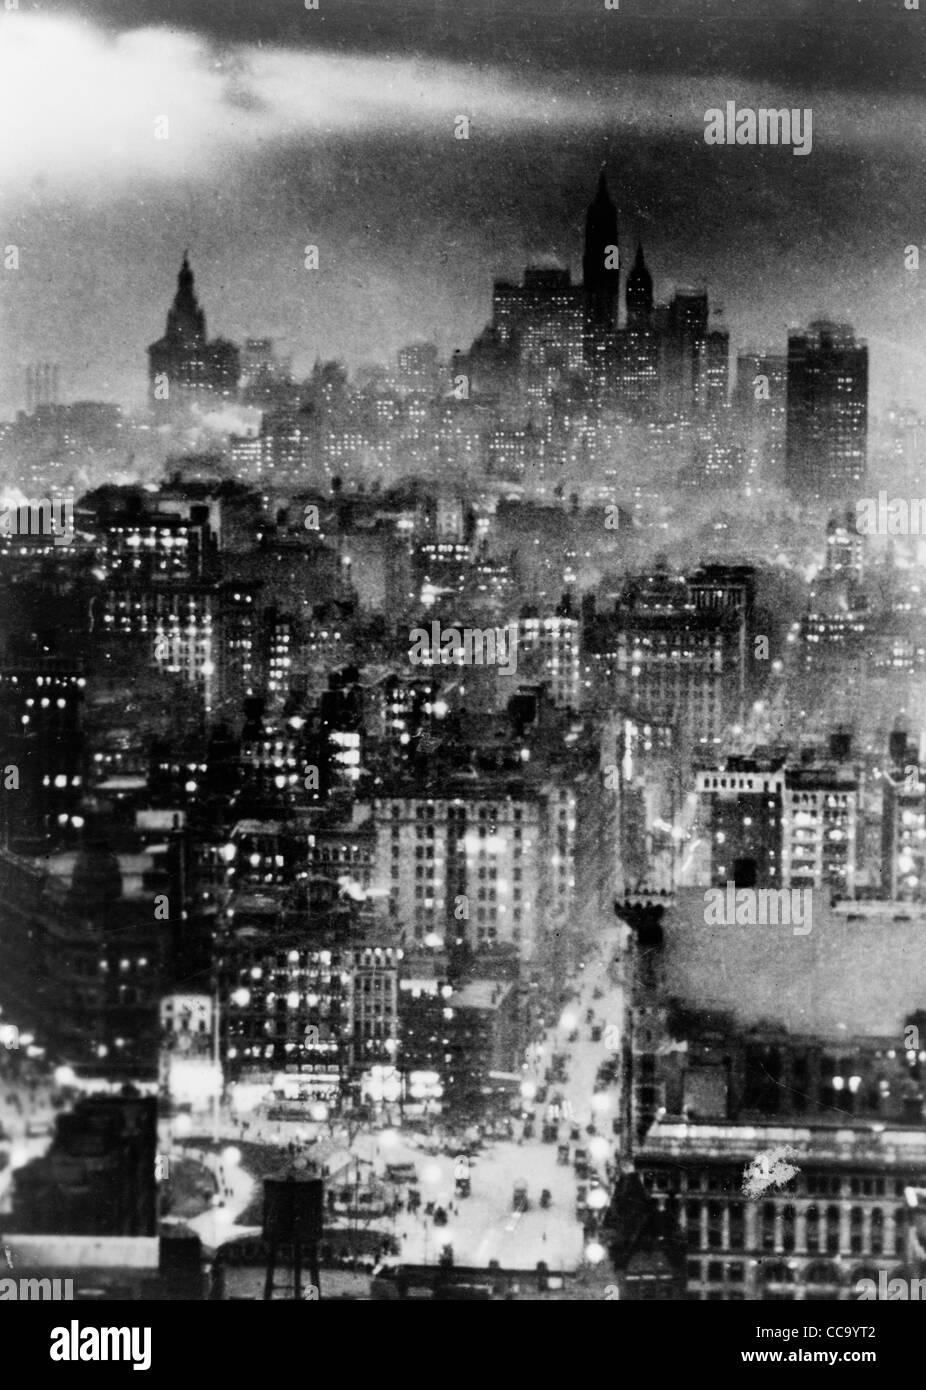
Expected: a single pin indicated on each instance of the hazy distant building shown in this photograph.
(639, 375)
(682, 328)
(419, 369)
(760, 401)
(541, 323)
(845, 547)
(184, 365)
(601, 275)
(827, 430)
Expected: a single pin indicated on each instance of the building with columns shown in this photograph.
(832, 1211)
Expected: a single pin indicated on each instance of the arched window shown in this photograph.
(856, 1217)
(877, 1231)
(787, 1229)
(832, 1230)
(767, 1226)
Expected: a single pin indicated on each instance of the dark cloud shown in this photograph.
(861, 45)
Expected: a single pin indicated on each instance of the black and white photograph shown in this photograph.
(463, 661)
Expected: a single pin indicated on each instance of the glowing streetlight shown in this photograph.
(601, 1102)
(595, 1252)
(599, 1148)
(568, 1021)
(528, 1089)
(597, 1199)
(241, 997)
(231, 1156)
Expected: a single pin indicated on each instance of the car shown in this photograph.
(401, 1172)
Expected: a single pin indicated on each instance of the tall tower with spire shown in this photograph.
(600, 272)
(639, 350)
(186, 322)
(639, 294)
(183, 365)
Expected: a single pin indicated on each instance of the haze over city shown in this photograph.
(335, 127)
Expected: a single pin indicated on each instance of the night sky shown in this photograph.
(335, 127)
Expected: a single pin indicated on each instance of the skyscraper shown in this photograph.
(600, 271)
(184, 365)
(639, 373)
(827, 429)
(682, 331)
(639, 294)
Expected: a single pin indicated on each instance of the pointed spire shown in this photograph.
(639, 290)
(600, 276)
(185, 316)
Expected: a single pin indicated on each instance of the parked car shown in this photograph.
(401, 1172)
(519, 1201)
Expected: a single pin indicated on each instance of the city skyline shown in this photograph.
(265, 156)
(463, 655)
